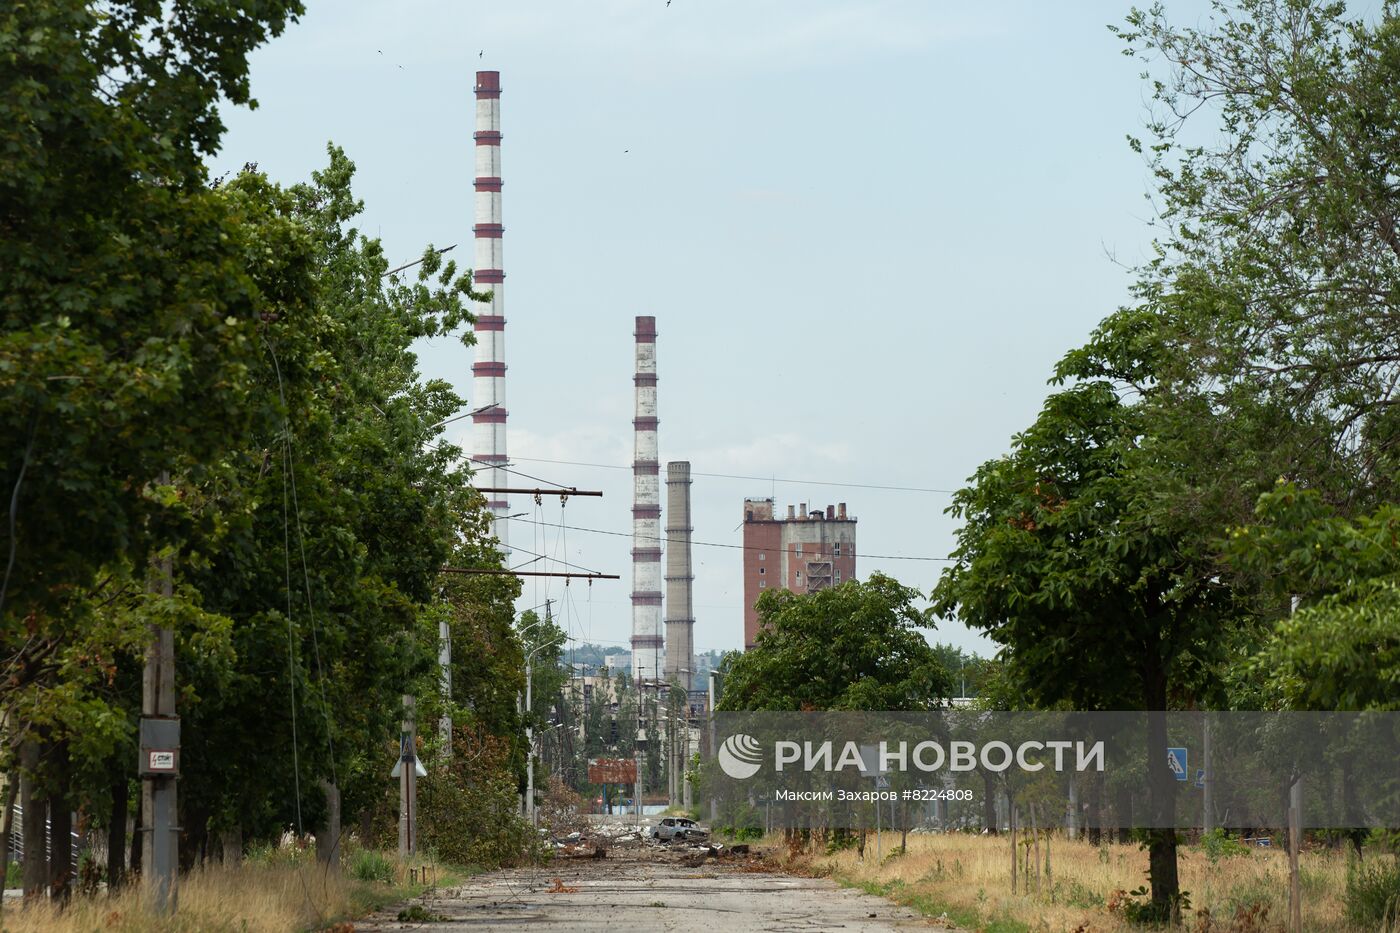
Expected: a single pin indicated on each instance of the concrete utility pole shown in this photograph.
(445, 672)
(408, 781)
(529, 707)
(159, 762)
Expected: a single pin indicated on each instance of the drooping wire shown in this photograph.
(291, 638)
(289, 480)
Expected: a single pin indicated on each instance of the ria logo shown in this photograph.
(740, 756)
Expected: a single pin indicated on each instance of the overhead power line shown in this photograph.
(736, 547)
(756, 479)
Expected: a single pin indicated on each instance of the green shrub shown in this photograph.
(1077, 895)
(13, 875)
(840, 841)
(1373, 894)
(1252, 896)
(473, 819)
(274, 855)
(740, 822)
(1219, 844)
(1137, 906)
(371, 865)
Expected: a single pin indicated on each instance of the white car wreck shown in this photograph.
(678, 827)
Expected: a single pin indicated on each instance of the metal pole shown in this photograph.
(160, 835)
(1208, 781)
(529, 738)
(1295, 840)
(877, 829)
(1295, 837)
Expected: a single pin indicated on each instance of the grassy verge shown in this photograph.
(929, 904)
(965, 879)
(280, 892)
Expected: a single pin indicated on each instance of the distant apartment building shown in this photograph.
(803, 553)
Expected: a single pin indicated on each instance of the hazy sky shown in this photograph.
(867, 231)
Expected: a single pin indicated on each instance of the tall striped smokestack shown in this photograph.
(680, 609)
(647, 646)
(489, 370)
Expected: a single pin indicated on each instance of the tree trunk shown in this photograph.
(7, 825)
(116, 832)
(367, 827)
(1035, 838)
(60, 825)
(136, 840)
(1161, 787)
(1123, 814)
(195, 819)
(903, 826)
(1094, 819)
(35, 828)
(989, 804)
(231, 845)
(328, 834)
(1011, 834)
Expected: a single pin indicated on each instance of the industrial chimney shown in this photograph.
(489, 369)
(680, 577)
(647, 646)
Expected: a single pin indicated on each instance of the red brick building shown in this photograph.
(804, 552)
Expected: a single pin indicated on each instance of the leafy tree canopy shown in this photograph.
(856, 646)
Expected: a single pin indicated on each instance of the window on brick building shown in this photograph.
(761, 569)
(837, 548)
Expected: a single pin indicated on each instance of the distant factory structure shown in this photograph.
(803, 553)
(648, 646)
(680, 578)
(488, 450)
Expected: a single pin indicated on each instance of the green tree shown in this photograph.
(856, 646)
(128, 309)
(1101, 596)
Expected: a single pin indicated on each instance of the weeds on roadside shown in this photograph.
(1372, 895)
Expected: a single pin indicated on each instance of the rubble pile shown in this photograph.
(620, 838)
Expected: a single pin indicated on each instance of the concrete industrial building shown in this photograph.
(803, 553)
(648, 649)
(680, 577)
(489, 369)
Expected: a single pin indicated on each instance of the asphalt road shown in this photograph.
(643, 888)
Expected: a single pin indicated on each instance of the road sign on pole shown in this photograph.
(1176, 760)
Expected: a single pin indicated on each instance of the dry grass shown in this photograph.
(968, 877)
(276, 896)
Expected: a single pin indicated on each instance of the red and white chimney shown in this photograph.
(489, 369)
(648, 653)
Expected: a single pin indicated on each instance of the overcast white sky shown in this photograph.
(867, 231)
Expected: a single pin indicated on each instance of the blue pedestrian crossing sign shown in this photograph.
(1176, 760)
(1200, 777)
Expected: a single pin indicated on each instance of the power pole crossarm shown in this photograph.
(499, 572)
(524, 491)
